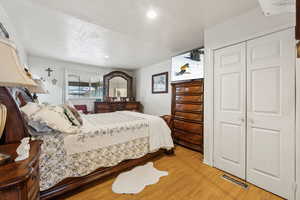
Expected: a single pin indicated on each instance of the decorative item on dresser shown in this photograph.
(105, 107)
(20, 180)
(187, 114)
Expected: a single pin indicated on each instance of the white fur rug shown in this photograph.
(135, 180)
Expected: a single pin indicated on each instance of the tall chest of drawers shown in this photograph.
(187, 114)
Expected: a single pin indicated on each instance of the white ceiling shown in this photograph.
(86, 31)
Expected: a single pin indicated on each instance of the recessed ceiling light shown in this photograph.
(151, 14)
(106, 57)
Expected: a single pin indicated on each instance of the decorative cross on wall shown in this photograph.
(49, 70)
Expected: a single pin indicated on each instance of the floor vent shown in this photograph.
(237, 182)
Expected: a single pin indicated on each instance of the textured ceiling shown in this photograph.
(86, 31)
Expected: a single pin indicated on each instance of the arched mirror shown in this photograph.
(117, 84)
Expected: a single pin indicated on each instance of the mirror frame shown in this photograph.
(113, 74)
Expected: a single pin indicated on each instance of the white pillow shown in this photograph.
(30, 108)
(55, 118)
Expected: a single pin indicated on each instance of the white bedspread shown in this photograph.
(124, 126)
(160, 133)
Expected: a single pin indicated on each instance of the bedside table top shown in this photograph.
(13, 173)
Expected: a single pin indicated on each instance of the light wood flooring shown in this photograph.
(188, 179)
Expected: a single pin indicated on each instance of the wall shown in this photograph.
(247, 26)
(57, 94)
(241, 28)
(298, 126)
(4, 19)
(155, 104)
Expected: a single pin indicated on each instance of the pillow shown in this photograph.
(39, 127)
(33, 132)
(30, 108)
(55, 118)
(76, 114)
(72, 115)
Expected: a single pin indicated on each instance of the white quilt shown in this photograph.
(159, 131)
(102, 130)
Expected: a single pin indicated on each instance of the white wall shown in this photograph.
(241, 28)
(298, 127)
(244, 27)
(155, 104)
(4, 19)
(57, 95)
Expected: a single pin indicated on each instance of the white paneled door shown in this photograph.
(230, 96)
(254, 125)
(271, 112)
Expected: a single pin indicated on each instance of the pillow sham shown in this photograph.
(55, 119)
(72, 115)
(30, 108)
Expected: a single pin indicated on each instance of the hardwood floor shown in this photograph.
(188, 179)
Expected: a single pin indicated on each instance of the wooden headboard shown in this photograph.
(15, 128)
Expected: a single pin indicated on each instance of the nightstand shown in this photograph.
(20, 180)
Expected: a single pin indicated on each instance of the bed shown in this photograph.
(98, 149)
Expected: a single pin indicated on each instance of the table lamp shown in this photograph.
(12, 74)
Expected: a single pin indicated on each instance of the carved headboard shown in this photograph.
(15, 128)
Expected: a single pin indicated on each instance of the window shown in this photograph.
(84, 86)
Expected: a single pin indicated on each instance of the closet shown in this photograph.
(254, 111)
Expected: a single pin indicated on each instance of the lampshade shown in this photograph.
(39, 88)
(12, 73)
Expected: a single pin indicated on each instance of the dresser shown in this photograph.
(105, 107)
(20, 180)
(187, 114)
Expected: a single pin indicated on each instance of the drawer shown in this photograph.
(196, 99)
(189, 107)
(34, 193)
(189, 127)
(189, 116)
(103, 106)
(34, 178)
(188, 137)
(191, 89)
(103, 111)
(132, 106)
(33, 185)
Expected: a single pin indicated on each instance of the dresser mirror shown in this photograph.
(117, 85)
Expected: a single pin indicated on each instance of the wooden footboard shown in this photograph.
(70, 184)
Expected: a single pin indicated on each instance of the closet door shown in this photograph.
(229, 108)
(270, 112)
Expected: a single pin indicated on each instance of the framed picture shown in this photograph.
(188, 66)
(3, 32)
(160, 83)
